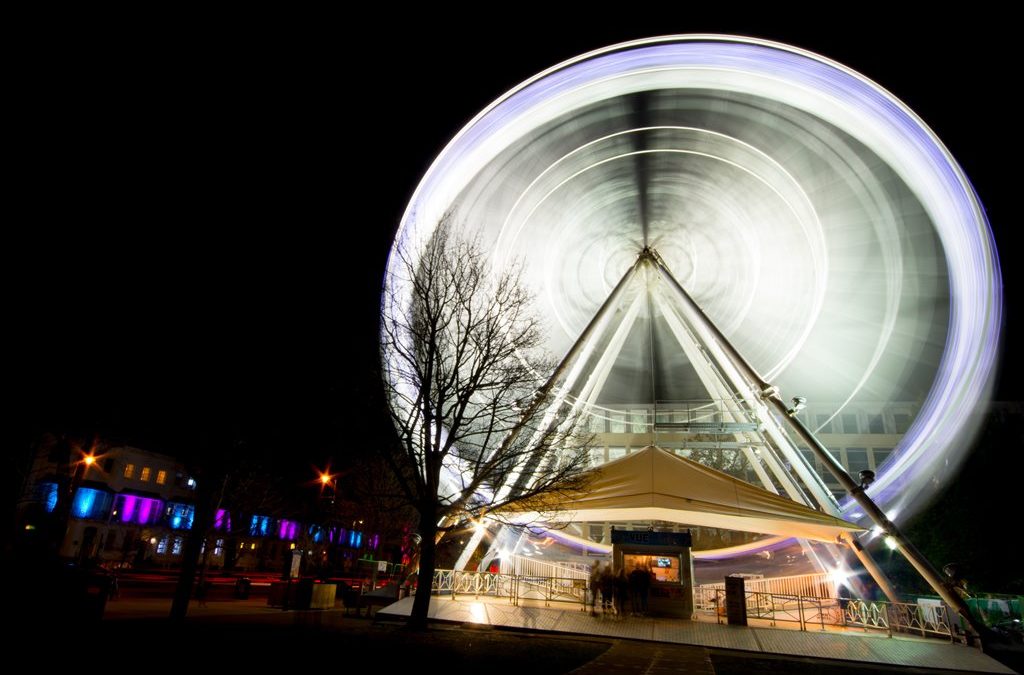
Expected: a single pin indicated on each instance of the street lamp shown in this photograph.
(328, 482)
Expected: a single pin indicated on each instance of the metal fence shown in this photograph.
(522, 566)
(515, 587)
(819, 585)
(923, 619)
(808, 612)
(926, 620)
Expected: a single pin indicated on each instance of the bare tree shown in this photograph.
(469, 395)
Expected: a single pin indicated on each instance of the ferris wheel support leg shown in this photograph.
(545, 392)
(872, 567)
(471, 546)
(771, 396)
(875, 513)
(569, 360)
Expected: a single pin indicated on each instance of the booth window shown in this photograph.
(664, 567)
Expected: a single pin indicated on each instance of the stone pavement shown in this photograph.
(846, 646)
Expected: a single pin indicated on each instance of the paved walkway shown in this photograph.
(848, 646)
(635, 657)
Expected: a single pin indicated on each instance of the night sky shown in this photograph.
(211, 209)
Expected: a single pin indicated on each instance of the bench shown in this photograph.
(353, 598)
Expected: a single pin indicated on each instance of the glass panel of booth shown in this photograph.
(665, 568)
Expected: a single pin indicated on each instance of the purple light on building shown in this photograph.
(128, 503)
(145, 508)
(138, 509)
(288, 529)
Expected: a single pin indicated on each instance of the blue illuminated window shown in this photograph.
(259, 526)
(89, 503)
(47, 494)
(180, 516)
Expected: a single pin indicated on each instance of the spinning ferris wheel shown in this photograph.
(819, 224)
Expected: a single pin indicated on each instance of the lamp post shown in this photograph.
(71, 473)
(328, 494)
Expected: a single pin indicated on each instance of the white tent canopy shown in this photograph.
(654, 484)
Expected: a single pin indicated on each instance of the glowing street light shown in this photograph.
(328, 481)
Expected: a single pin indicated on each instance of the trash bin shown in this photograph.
(242, 588)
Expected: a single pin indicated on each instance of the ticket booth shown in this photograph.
(666, 557)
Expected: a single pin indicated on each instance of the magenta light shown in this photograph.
(127, 507)
(287, 530)
(145, 507)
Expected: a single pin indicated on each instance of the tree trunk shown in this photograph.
(425, 579)
(202, 520)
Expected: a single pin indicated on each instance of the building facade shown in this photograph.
(128, 507)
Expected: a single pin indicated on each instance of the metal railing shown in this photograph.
(522, 566)
(818, 585)
(705, 415)
(903, 617)
(926, 620)
(809, 612)
(515, 587)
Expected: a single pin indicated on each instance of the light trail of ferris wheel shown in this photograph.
(820, 224)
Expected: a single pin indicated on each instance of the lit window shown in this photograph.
(47, 494)
(856, 460)
(145, 473)
(218, 548)
(191, 482)
(876, 424)
(618, 423)
(89, 503)
(161, 547)
(129, 470)
(901, 422)
(850, 424)
(178, 543)
(180, 516)
(161, 477)
(133, 509)
(259, 526)
(880, 455)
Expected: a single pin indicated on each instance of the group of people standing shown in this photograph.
(616, 590)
